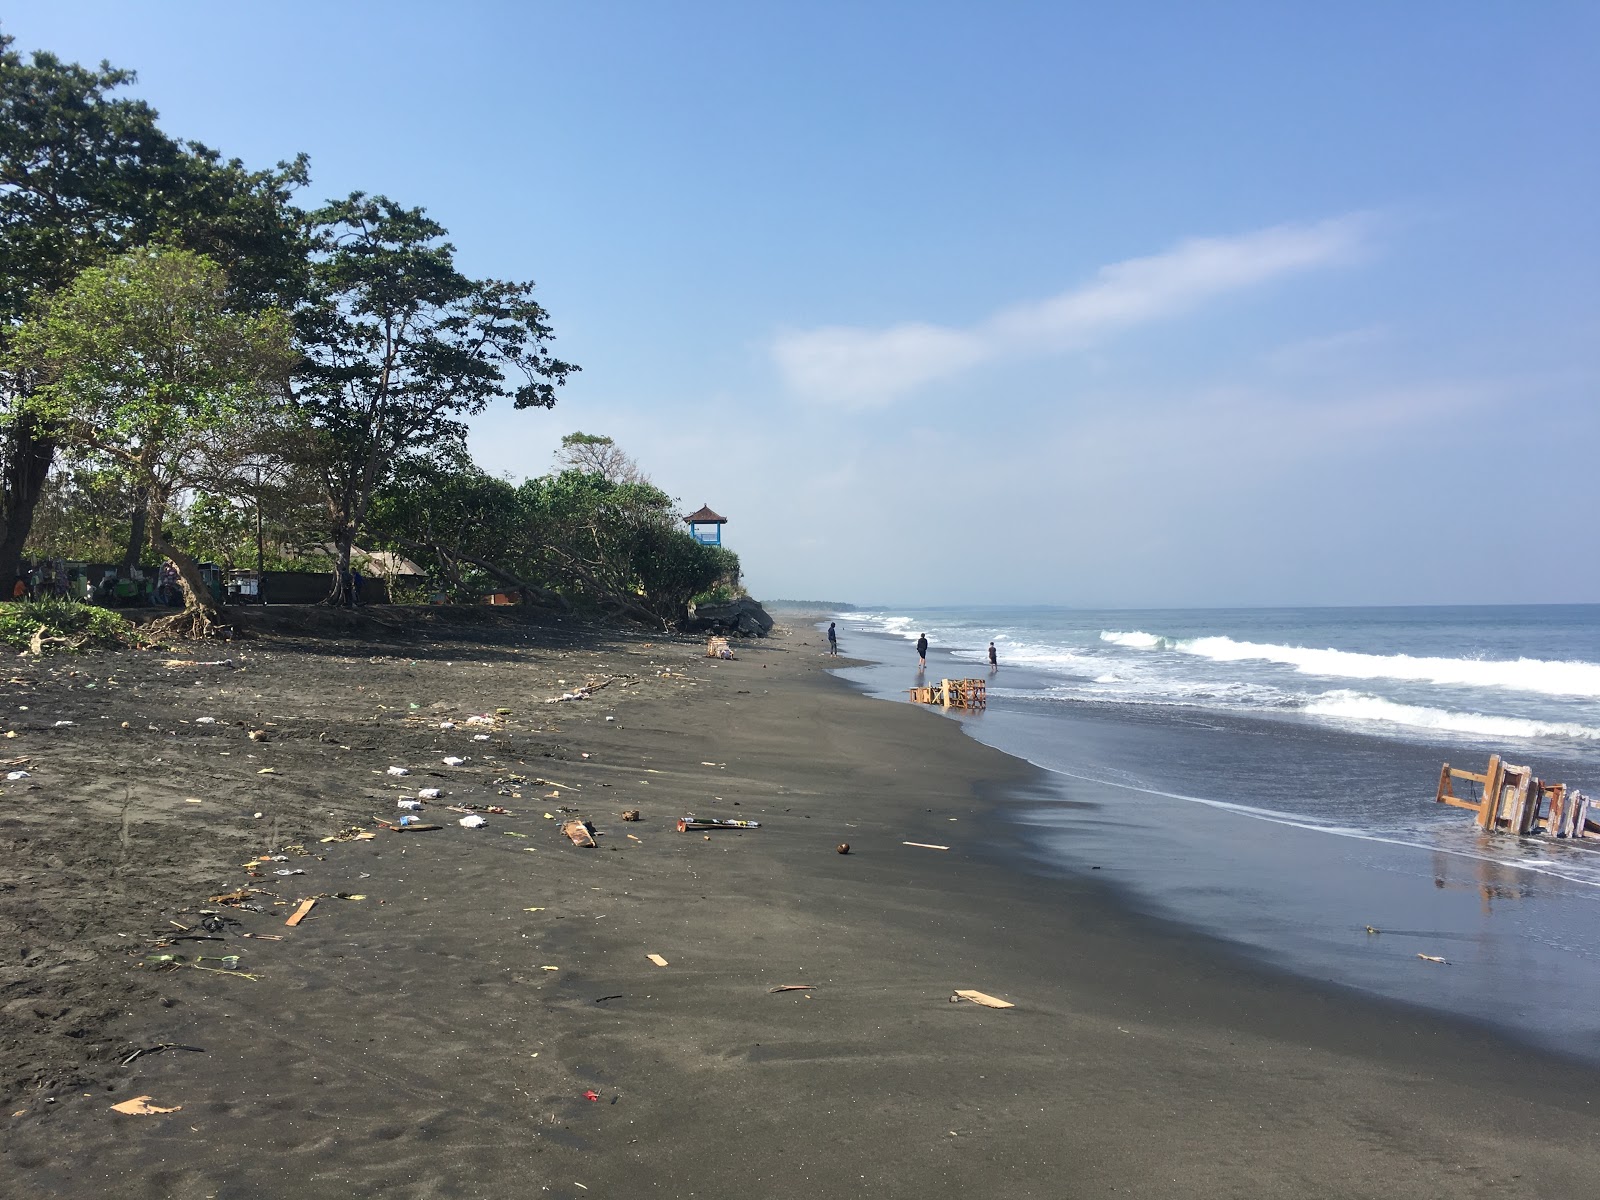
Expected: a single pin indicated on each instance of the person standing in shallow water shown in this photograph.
(994, 659)
(922, 653)
(833, 638)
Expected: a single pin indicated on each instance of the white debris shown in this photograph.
(447, 724)
(472, 822)
(480, 720)
(399, 770)
(205, 720)
(64, 724)
(454, 762)
(409, 805)
(16, 775)
(480, 737)
(428, 794)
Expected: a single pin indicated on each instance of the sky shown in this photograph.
(1133, 305)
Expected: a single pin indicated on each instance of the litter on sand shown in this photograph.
(140, 1106)
(428, 793)
(16, 775)
(1434, 958)
(452, 761)
(657, 959)
(693, 822)
(472, 822)
(630, 814)
(982, 998)
(793, 987)
(399, 770)
(925, 845)
(579, 833)
(299, 914)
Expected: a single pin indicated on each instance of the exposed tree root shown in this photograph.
(192, 624)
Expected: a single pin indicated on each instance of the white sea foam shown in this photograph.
(1134, 640)
(1543, 676)
(1353, 706)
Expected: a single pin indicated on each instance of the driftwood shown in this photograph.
(580, 833)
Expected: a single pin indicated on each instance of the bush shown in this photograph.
(78, 625)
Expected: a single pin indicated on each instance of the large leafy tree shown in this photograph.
(143, 366)
(85, 174)
(399, 345)
(574, 539)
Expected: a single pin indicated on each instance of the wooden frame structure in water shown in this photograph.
(1515, 801)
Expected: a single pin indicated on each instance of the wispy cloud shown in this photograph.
(856, 367)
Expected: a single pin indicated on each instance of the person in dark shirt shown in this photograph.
(922, 653)
(833, 638)
(994, 659)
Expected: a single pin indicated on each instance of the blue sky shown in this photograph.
(1139, 304)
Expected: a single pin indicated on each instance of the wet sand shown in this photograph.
(414, 1043)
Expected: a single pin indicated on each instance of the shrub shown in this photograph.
(76, 625)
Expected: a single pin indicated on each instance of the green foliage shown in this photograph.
(399, 345)
(143, 367)
(83, 514)
(589, 540)
(143, 356)
(86, 174)
(83, 624)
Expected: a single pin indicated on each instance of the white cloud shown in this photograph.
(865, 367)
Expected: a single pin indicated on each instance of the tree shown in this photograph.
(399, 345)
(574, 539)
(142, 364)
(462, 524)
(596, 454)
(618, 546)
(85, 174)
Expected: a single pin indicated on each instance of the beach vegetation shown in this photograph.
(87, 174)
(193, 368)
(398, 346)
(142, 368)
(64, 624)
(571, 540)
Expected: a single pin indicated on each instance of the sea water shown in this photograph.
(1268, 776)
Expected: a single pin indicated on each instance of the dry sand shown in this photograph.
(441, 1037)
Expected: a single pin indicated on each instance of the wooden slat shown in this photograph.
(1489, 810)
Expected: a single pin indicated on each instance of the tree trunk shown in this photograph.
(28, 455)
(136, 535)
(344, 541)
(197, 597)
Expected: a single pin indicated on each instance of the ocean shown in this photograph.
(1267, 776)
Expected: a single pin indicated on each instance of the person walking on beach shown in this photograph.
(994, 659)
(833, 639)
(922, 653)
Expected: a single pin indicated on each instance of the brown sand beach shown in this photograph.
(485, 1019)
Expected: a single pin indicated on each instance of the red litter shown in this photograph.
(591, 1095)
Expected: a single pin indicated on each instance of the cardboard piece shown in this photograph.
(140, 1106)
(983, 998)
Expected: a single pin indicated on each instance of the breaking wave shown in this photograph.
(1542, 676)
(1135, 640)
(1353, 706)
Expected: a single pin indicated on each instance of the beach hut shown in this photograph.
(705, 526)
